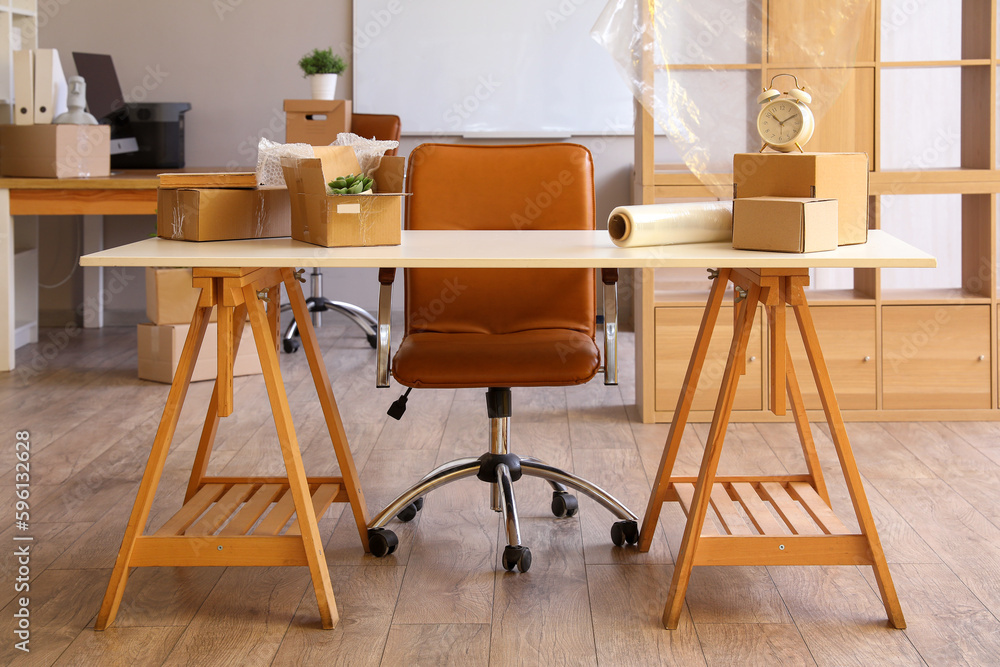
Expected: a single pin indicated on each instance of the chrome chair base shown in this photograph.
(318, 305)
(501, 469)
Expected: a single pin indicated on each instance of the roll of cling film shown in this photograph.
(697, 68)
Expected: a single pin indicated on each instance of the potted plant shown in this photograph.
(321, 67)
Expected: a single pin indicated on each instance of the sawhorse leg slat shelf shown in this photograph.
(239, 521)
(757, 520)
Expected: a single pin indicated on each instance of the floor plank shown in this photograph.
(121, 646)
(424, 645)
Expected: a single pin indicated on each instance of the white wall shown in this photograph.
(234, 61)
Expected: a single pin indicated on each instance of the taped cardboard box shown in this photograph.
(344, 220)
(160, 347)
(840, 176)
(170, 297)
(222, 214)
(785, 224)
(316, 122)
(55, 151)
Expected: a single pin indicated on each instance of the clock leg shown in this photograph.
(762, 147)
(799, 147)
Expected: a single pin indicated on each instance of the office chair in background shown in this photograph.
(502, 328)
(384, 127)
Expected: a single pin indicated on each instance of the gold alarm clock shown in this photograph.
(785, 122)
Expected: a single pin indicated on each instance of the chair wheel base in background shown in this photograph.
(409, 512)
(516, 556)
(381, 542)
(624, 531)
(372, 340)
(564, 504)
(290, 345)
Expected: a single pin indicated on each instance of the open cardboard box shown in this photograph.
(344, 220)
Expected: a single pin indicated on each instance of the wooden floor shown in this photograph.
(442, 598)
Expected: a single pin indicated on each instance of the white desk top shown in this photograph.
(501, 249)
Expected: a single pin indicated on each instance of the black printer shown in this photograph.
(157, 127)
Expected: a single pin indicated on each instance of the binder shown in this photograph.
(24, 83)
(50, 86)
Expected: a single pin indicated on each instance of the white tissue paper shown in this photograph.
(269, 154)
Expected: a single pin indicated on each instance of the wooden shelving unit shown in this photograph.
(902, 344)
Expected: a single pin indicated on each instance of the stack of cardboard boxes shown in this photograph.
(799, 202)
(170, 304)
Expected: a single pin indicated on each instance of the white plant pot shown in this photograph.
(324, 86)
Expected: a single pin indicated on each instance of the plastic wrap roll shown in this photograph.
(670, 224)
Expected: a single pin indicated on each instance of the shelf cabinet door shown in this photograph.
(847, 339)
(676, 330)
(936, 357)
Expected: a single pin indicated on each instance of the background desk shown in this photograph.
(130, 192)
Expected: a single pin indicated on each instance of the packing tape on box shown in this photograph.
(671, 224)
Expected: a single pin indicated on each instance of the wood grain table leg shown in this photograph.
(802, 426)
(838, 433)
(212, 417)
(154, 467)
(297, 481)
(709, 464)
(334, 423)
(670, 448)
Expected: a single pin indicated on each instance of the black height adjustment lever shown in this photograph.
(398, 406)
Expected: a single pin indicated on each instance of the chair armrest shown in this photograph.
(383, 340)
(610, 279)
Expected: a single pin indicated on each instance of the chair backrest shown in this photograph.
(384, 127)
(516, 187)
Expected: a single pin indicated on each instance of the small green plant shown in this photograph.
(351, 184)
(322, 62)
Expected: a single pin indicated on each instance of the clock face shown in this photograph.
(780, 123)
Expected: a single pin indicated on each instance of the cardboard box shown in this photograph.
(170, 298)
(220, 214)
(344, 220)
(316, 122)
(840, 176)
(160, 348)
(785, 224)
(55, 151)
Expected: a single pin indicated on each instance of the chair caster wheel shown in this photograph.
(290, 345)
(564, 504)
(409, 512)
(624, 531)
(516, 556)
(381, 542)
(372, 340)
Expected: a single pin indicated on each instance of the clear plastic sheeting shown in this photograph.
(269, 154)
(368, 151)
(697, 67)
(670, 224)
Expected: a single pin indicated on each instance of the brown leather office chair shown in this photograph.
(499, 328)
(384, 127)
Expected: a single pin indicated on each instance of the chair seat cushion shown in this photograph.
(536, 358)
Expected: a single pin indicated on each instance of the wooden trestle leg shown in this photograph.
(809, 532)
(248, 520)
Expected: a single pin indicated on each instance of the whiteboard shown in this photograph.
(466, 67)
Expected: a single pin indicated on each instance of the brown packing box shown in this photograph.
(840, 176)
(170, 298)
(344, 220)
(221, 214)
(316, 122)
(785, 224)
(160, 348)
(55, 151)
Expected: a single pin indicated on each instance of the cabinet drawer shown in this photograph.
(676, 330)
(847, 339)
(935, 357)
